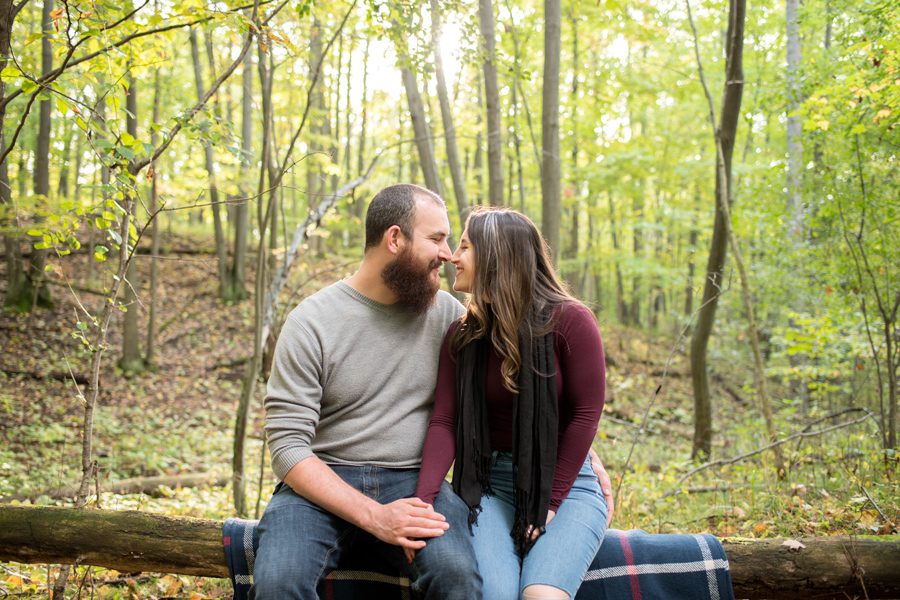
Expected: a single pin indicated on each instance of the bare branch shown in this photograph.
(800, 434)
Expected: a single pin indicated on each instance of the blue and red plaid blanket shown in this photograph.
(630, 564)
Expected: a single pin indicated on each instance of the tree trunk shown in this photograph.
(637, 247)
(62, 187)
(360, 203)
(221, 255)
(242, 211)
(689, 284)
(421, 131)
(132, 361)
(492, 101)
(727, 129)
(794, 144)
(574, 177)
(314, 176)
(621, 306)
(16, 282)
(822, 567)
(456, 174)
(37, 286)
(550, 163)
(478, 159)
(150, 350)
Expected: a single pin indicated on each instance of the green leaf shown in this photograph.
(62, 105)
(125, 153)
(28, 86)
(35, 232)
(10, 73)
(127, 138)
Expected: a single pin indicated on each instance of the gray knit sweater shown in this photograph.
(353, 380)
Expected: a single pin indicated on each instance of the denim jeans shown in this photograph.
(301, 543)
(562, 554)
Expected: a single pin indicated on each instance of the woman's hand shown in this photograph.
(605, 484)
(535, 532)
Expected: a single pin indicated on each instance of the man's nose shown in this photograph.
(444, 253)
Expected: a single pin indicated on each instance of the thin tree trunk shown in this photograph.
(16, 282)
(727, 129)
(253, 367)
(242, 211)
(421, 131)
(478, 159)
(492, 102)
(621, 306)
(221, 254)
(360, 202)
(131, 361)
(574, 177)
(550, 159)
(692, 251)
(62, 187)
(150, 350)
(456, 174)
(37, 287)
(794, 143)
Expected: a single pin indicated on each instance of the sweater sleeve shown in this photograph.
(293, 396)
(582, 368)
(440, 441)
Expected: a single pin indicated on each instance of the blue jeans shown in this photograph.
(562, 554)
(301, 543)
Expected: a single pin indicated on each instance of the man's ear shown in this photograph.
(394, 239)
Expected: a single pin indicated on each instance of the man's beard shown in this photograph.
(411, 281)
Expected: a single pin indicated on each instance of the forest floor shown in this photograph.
(176, 418)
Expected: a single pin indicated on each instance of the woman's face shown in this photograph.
(464, 261)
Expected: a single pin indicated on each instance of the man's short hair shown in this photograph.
(395, 205)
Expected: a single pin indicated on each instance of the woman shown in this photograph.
(519, 394)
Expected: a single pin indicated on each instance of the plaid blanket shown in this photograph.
(630, 564)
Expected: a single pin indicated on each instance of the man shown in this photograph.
(347, 407)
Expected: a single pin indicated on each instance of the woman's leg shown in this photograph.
(495, 551)
(494, 548)
(562, 555)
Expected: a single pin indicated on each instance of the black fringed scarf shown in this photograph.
(535, 422)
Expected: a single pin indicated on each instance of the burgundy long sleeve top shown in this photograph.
(580, 386)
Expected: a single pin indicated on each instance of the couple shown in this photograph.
(362, 456)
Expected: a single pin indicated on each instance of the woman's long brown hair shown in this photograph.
(515, 290)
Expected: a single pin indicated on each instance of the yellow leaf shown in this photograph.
(823, 124)
(173, 585)
(883, 113)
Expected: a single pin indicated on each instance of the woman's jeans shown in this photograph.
(562, 554)
(301, 543)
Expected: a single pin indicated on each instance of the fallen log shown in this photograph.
(823, 567)
(151, 486)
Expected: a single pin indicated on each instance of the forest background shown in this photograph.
(717, 181)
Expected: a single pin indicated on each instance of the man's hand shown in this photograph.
(605, 485)
(405, 522)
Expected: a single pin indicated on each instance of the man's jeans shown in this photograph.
(301, 543)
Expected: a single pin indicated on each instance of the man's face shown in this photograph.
(415, 274)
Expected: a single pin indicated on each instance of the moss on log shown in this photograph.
(824, 567)
(121, 540)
